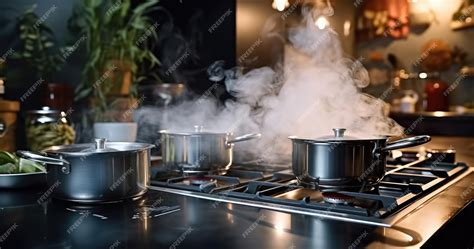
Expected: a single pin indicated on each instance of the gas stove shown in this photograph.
(406, 185)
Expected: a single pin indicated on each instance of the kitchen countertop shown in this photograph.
(464, 147)
(164, 220)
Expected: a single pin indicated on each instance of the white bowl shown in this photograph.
(116, 132)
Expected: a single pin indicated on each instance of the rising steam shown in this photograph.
(314, 90)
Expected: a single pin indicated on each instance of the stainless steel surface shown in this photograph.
(344, 163)
(217, 224)
(100, 143)
(406, 143)
(244, 138)
(199, 152)
(100, 176)
(330, 213)
(276, 207)
(24, 180)
(339, 132)
(34, 156)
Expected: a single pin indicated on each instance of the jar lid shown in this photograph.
(44, 110)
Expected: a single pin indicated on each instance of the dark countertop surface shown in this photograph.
(464, 147)
(164, 220)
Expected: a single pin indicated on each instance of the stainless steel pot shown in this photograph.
(344, 162)
(100, 172)
(199, 152)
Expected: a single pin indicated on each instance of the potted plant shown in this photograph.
(117, 46)
(38, 54)
(37, 48)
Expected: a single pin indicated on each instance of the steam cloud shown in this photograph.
(314, 90)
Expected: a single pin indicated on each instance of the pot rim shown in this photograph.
(335, 140)
(203, 133)
(59, 149)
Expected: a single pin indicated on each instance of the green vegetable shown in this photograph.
(11, 164)
(7, 157)
(8, 168)
(28, 166)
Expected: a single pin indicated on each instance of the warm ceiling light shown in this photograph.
(423, 75)
(280, 5)
(322, 22)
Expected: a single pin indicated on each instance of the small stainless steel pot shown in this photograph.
(100, 172)
(344, 162)
(199, 152)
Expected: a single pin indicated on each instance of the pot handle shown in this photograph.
(406, 142)
(37, 157)
(243, 138)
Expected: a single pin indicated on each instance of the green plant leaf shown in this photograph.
(83, 94)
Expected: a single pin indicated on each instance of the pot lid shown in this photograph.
(100, 146)
(198, 130)
(339, 136)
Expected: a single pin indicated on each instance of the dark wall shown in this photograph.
(183, 29)
(205, 29)
(19, 77)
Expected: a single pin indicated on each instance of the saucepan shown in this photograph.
(95, 172)
(343, 161)
(199, 151)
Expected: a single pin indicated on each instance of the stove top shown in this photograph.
(405, 186)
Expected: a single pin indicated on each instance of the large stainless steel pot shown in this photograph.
(100, 172)
(344, 162)
(199, 152)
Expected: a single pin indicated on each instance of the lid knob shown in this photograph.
(339, 132)
(198, 128)
(100, 143)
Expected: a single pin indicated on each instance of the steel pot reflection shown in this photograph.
(199, 152)
(344, 162)
(101, 172)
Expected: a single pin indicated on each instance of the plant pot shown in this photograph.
(119, 74)
(116, 131)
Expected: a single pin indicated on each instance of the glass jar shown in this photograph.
(47, 127)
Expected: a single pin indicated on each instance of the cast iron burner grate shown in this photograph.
(404, 183)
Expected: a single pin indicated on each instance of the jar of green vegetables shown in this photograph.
(47, 127)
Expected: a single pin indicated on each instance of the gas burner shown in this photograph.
(337, 198)
(402, 185)
(200, 180)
